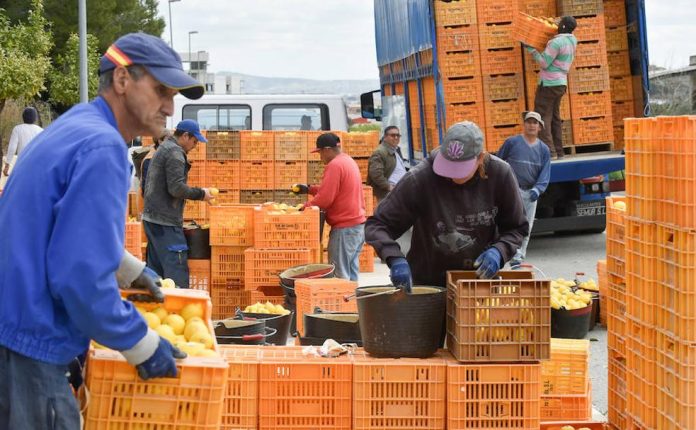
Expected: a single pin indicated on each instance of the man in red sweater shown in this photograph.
(340, 195)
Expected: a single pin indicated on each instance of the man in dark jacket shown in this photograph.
(386, 166)
(465, 211)
(166, 193)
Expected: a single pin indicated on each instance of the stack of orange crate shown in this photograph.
(290, 155)
(460, 62)
(501, 71)
(616, 309)
(326, 294)
(222, 165)
(619, 66)
(360, 145)
(588, 80)
(257, 166)
(491, 323)
(566, 391)
(602, 286)
(242, 388)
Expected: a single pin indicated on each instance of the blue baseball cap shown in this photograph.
(157, 57)
(191, 127)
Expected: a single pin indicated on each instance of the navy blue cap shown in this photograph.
(191, 127)
(157, 57)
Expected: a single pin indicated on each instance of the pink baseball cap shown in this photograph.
(458, 155)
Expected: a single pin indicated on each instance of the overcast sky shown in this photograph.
(334, 39)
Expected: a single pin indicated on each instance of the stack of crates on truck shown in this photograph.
(490, 324)
(197, 210)
(660, 234)
(257, 166)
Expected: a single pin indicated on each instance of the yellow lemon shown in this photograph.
(151, 319)
(192, 310)
(180, 338)
(202, 337)
(176, 322)
(213, 191)
(194, 327)
(207, 353)
(620, 206)
(166, 332)
(160, 312)
(168, 283)
(191, 348)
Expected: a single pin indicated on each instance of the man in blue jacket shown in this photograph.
(530, 159)
(62, 220)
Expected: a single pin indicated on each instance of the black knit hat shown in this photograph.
(567, 24)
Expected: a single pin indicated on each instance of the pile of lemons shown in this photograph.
(266, 308)
(573, 428)
(566, 295)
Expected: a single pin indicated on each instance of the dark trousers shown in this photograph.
(167, 252)
(35, 395)
(547, 102)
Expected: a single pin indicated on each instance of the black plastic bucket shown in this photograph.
(304, 271)
(594, 318)
(281, 323)
(198, 241)
(241, 332)
(401, 325)
(570, 324)
(343, 327)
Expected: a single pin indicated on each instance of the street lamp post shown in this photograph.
(171, 31)
(189, 51)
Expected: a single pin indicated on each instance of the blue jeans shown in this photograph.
(344, 249)
(530, 213)
(167, 252)
(35, 395)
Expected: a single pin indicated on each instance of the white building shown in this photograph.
(214, 83)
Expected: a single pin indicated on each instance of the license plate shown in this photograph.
(590, 208)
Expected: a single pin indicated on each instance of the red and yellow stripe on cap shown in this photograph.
(117, 56)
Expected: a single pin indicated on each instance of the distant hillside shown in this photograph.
(263, 85)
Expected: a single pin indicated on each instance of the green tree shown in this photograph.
(65, 76)
(24, 60)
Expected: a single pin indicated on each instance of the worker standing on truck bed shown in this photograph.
(555, 64)
(530, 159)
(465, 211)
(340, 195)
(62, 220)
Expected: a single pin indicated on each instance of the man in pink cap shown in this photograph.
(465, 211)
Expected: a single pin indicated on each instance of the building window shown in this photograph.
(222, 117)
(296, 116)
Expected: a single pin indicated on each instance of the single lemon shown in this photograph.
(151, 319)
(166, 332)
(192, 310)
(176, 322)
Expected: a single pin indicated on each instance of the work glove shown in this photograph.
(133, 273)
(488, 263)
(400, 273)
(161, 363)
(149, 280)
(533, 194)
(300, 189)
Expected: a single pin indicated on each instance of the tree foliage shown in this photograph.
(24, 49)
(65, 76)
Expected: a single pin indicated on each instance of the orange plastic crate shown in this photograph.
(589, 80)
(617, 39)
(299, 391)
(458, 39)
(591, 54)
(198, 153)
(289, 198)
(227, 197)
(504, 112)
(256, 175)
(504, 87)
(497, 36)
(591, 425)
(486, 396)
(196, 210)
(315, 171)
(327, 294)
(492, 11)
(579, 7)
(544, 8)
(641, 374)
(474, 112)
(619, 111)
(496, 136)
(257, 145)
(641, 295)
(196, 175)
(570, 407)
(617, 390)
(676, 383)
(587, 131)
(227, 297)
(614, 13)
(369, 199)
(532, 31)
(618, 132)
(227, 265)
(360, 144)
(567, 370)
(590, 28)
(291, 145)
(616, 312)
(222, 174)
(262, 266)
(616, 219)
(199, 274)
(274, 229)
(455, 13)
(288, 173)
(466, 90)
(501, 61)
(619, 63)
(367, 259)
(134, 238)
(232, 225)
(223, 145)
(255, 197)
(621, 88)
(399, 393)
(460, 65)
(362, 165)
(590, 105)
(498, 320)
(241, 397)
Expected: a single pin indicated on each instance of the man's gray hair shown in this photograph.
(106, 79)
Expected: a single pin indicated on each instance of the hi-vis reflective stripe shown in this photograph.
(117, 57)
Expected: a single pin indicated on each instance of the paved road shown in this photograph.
(557, 257)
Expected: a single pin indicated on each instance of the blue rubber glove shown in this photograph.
(533, 194)
(488, 263)
(161, 364)
(400, 273)
(150, 281)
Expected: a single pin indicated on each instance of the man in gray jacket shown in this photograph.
(166, 193)
(386, 166)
